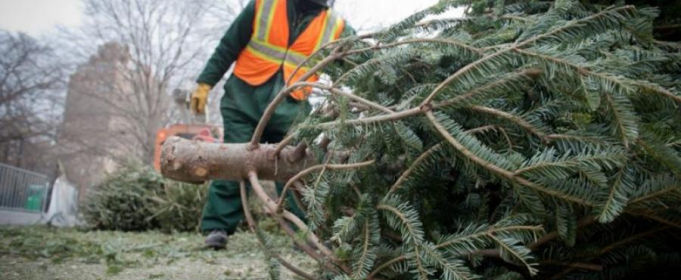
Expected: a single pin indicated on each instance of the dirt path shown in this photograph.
(45, 253)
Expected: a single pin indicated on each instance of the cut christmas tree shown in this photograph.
(525, 140)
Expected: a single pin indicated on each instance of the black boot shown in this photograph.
(217, 239)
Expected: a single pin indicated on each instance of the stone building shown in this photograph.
(95, 134)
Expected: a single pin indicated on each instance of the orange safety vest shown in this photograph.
(268, 49)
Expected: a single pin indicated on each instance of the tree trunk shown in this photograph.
(196, 162)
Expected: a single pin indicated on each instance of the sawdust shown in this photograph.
(46, 253)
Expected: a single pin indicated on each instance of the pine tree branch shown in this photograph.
(673, 45)
(617, 185)
(619, 120)
(567, 162)
(336, 54)
(297, 197)
(268, 204)
(674, 144)
(515, 254)
(267, 115)
(656, 89)
(522, 74)
(468, 154)
(315, 168)
(495, 129)
(369, 120)
(459, 73)
(659, 193)
(244, 203)
(252, 226)
(498, 170)
(314, 55)
(448, 267)
(517, 18)
(490, 253)
(417, 256)
(284, 143)
(386, 265)
(298, 153)
(586, 72)
(510, 117)
(380, 46)
(356, 98)
(575, 23)
(586, 221)
(567, 45)
(482, 129)
(455, 43)
(491, 231)
(554, 137)
(532, 73)
(413, 232)
(305, 247)
(661, 156)
(365, 250)
(271, 205)
(412, 167)
(515, 47)
(540, 166)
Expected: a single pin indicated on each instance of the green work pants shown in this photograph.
(241, 108)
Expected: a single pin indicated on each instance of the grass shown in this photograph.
(49, 253)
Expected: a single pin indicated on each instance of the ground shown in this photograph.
(39, 252)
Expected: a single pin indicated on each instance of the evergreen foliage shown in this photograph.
(137, 198)
(527, 140)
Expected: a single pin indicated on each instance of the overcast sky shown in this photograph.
(36, 17)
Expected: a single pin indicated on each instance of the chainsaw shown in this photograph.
(190, 126)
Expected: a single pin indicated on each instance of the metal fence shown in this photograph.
(22, 190)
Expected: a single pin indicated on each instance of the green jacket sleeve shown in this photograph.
(232, 43)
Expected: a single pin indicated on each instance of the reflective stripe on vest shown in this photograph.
(268, 50)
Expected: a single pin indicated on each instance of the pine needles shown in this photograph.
(523, 140)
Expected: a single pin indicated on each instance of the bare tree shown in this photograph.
(220, 15)
(131, 55)
(30, 83)
(163, 43)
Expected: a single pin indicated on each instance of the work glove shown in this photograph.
(199, 99)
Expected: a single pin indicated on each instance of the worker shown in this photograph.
(266, 42)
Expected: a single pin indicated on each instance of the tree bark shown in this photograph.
(197, 162)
